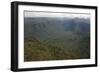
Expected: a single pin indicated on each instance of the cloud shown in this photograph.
(55, 14)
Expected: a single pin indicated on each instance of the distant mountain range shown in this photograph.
(46, 27)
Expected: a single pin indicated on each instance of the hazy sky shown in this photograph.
(52, 14)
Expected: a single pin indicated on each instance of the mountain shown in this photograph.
(77, 24)
(56, 38)
(54, 27)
